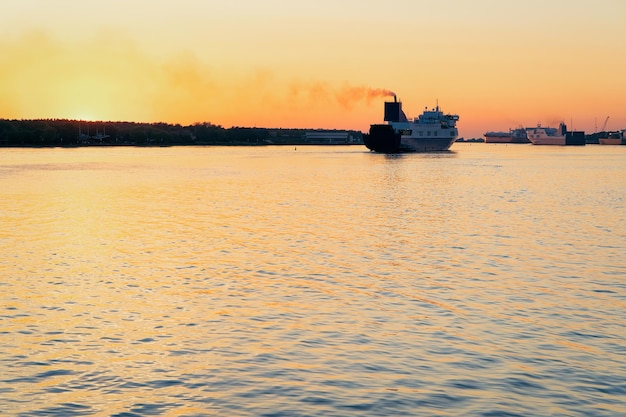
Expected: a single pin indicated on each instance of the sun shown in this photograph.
(86, 117)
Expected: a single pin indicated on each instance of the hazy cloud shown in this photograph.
(109, 77)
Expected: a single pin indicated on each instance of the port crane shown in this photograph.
(604, 124)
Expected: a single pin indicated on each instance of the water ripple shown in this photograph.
(260, 282)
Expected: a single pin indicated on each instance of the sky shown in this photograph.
(498, 64)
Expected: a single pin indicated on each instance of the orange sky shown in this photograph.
(278, 63)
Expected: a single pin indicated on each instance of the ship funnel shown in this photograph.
(393, 111)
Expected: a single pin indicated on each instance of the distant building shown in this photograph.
(332, 137)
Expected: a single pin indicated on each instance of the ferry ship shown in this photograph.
(432, 131)
(512, 136)
(551, 136)
(613, 138)
(540, 135)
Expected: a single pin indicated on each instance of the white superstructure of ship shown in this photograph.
(540, 135)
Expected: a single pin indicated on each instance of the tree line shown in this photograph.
(74, 133)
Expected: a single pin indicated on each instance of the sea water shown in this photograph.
(317, 281)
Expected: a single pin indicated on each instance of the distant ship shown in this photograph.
(512, 136)
(431, 131)
(540, 135)
(613, 138)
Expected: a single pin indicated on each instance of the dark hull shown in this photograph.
(505, 139)
(383, 139)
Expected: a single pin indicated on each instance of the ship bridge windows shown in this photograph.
(405, 132)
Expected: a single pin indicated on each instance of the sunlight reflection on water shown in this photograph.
(323, 281)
